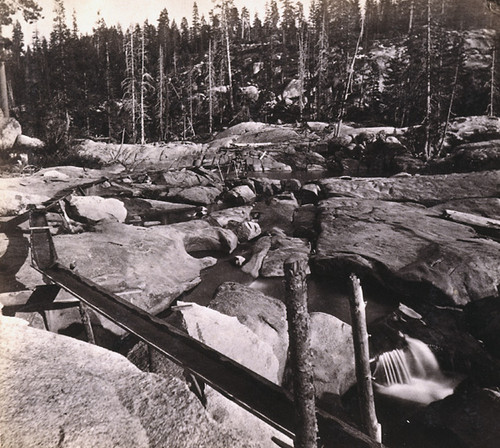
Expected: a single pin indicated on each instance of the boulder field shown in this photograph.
(138, 234)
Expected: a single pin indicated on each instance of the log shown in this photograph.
(300, 352)
(472, 220)
(362, 357)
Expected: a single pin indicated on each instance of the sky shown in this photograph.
(128, 12)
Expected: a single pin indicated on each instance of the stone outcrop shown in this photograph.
(408, 249)
(231, 338)
(466, 419)
(149, 267)
(16, 193)
(427, 190)
(237, 214)
(57, 391)
(406, 246)
(199, 195)
(252, 343)
(198, 235)
(477, 156)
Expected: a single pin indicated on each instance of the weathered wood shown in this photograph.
(300, 351)
(472, 220)
(84, 315)
(362, 357)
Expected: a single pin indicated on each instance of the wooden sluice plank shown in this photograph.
(254, 393)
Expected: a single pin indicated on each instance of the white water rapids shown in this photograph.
(412, 374)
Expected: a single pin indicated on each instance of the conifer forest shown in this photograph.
(394, 62)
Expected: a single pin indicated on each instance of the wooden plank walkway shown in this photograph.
(256, 394)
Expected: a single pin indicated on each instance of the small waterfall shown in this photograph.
(413, 374)
(395, 368)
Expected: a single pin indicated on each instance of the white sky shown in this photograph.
(128, 12)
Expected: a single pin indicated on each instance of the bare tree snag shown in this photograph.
(362, 356)
(3, 91)
(300, 354)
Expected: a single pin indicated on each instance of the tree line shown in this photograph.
(396, 62)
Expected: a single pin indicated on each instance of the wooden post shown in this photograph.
(300, 355)
(86, 322)
(362, 356)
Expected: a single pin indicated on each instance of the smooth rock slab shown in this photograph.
(150, 267)
(428, 190)
(405, 246)
(265, 316)
(59, 392)
(231, 338)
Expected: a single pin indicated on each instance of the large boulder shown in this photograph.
(277, 212)
(332, 352)
(94, 209)
(477, 156)
(229, 336)
(265, 316)
(238, 214)
(10, 129)
(240, 195)
(408, 248)
(200, 236)
(57, 391)
(483, 319)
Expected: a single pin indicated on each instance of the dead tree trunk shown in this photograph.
(210, 88)
(300, 354)
(3, 91)
(362, 356)
(427, 148)
(350, 76)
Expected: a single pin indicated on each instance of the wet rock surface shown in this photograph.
(466, 419)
